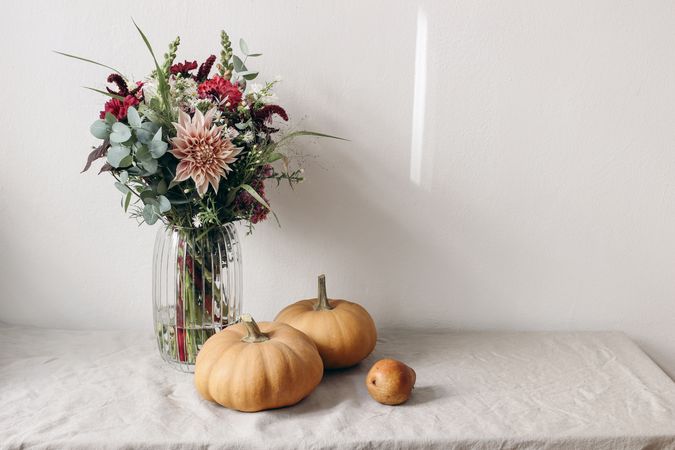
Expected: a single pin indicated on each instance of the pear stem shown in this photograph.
(322, 299)
(254, 335)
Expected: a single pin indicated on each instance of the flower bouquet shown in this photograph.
(192, 145)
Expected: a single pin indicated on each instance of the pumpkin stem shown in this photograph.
(322, 300)
(254, 334)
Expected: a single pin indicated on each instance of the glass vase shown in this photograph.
(196, 291)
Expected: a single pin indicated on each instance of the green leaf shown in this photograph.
(147, 194)
(274, 157)
(89, 61)
(120, 133)
(118, 97)
(250, 76)
(150, 166)
(254, 55)
(122, 188)
(162, 188)
(100, 129)
(243, 46)
(124, 176)
(255, 195)
(146, 132)
(116, 154)
(126, 162)
(149, 214)
(308, 133)
(238, 64)
(164, 204)
(142, 153)
(133, 117)
(110, 118)
(126, 201)
(163, 86)
(157, 148)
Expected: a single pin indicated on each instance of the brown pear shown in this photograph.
(390, 382)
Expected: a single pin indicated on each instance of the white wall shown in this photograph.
(520, 176)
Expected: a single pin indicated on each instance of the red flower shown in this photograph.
(222, 90)
(183, 68)
(118, 108)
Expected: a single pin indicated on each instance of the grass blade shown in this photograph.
(309, 133)
(89, 61)
(161, 76)
(118, 97)
(256, 196)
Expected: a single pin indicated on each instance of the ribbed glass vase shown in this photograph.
(196, 291)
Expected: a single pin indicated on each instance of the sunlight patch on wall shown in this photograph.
(420, 173)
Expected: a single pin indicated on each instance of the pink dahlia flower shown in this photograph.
(204, 154)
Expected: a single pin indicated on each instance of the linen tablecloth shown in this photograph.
(98, 389)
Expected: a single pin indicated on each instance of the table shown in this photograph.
(104, 389)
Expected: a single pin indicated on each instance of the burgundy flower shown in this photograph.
(183, 68)
(245, 201)
(118, 108)
(222, 90)
(205, 68)
(122, 88)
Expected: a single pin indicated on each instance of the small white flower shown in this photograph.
(197, 221)
(248, 137)
(232, 132)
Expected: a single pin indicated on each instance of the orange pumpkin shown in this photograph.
(343, 331)
(251, 367)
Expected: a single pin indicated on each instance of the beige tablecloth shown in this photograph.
(91, 390)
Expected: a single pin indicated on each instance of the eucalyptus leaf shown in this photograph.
(147, 194)
(143, 154)
(116, 154)
(149, 214)
(150, 166)
(164, 204)
(124, 176)
(146, 132)
(122, 188)
(158, 135)
(133, 117)
(157, 148)
(243, 46)
(254, 55)
(238, 64)
(120, 133)
(250, 75)
(100, 129)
